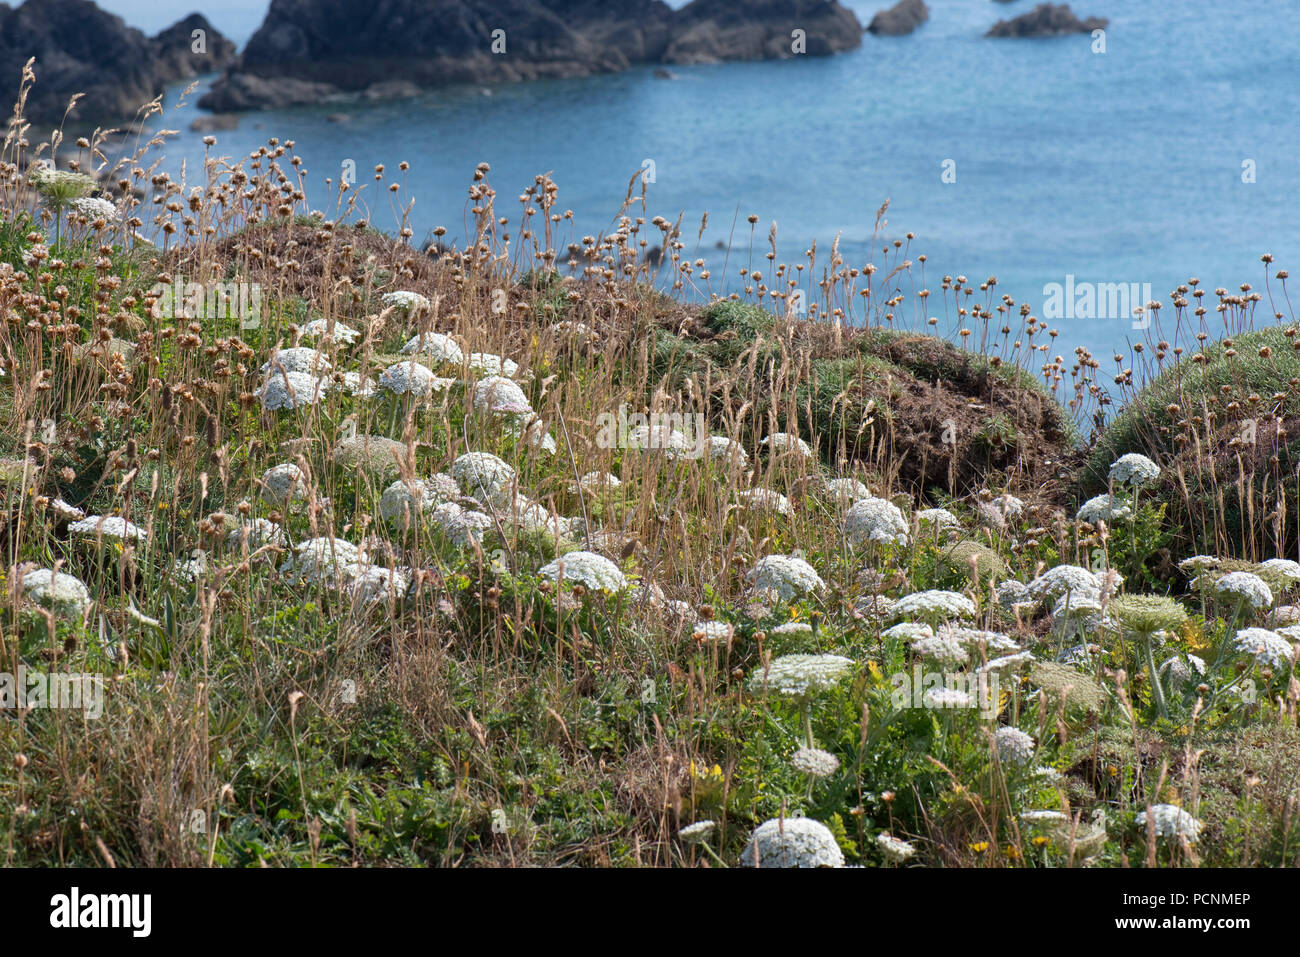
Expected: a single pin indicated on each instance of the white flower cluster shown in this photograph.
(108, 526)
(934, 605)
(594, 571)
(485, 477)
(1055, 582)
(1103, 508)
(409, 377)
(291, 390)
(815, 762)
(845, 491)
(942, 648)
(95, 207)
(765, 499)
(298, 359)
(439, 348)
(284, 483)
(340, 331)
(62, 594)
(406, 301)
(875, 520)
(712, 631)
(485, 363)
(321, 560)
(792, 842)
(938, 517)
(787, 576)
(1171, 821)
(1015, 748)
(727, 451)
(1268, 647)
(402, 502)
(895, 850)
(501, 395)
(463, 527)
(780, 443)
(1134, 469)
(1245, 587)
(800, 675)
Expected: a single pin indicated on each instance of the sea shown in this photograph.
(1167, 148)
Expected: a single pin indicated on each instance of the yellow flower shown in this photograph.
(980, 847)
(1040, 841)
(1012, 852)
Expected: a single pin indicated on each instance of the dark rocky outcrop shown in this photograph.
(1047, 20)
(309, 50)
(80, 48)
(708, 31)
(900, 19)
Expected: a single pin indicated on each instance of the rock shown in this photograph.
(900, 19)
(391, 90)
(236, 92)
(80, 48)
(214, 122)
(338, 118)
(1046, 20)
(708, 31)
(664, 74)
(192, 47)
(306, 49)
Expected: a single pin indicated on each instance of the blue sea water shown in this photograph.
(1117, 167)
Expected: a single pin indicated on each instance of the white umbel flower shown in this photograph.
(938, 517)
(501, 395)
(1281, 570)
(1245, 587)
(697, 833)
(65, 595)
(463, 527)
(782, 443)
(485, 477)
(934, 605)
(896, 851)
(594, 483)
(321, 559)
(284, 483)
(939, 699)
(402, 502)
(941, 648)
(1134, 469)
(1015, 748)
(408, 377)
(95, 207)
(713, 631)
(792, 842)
(1171, 821)
(727, 451)
(875, 520)
(659, 438)
(485, 363)
(1103, 508)
(815, 762)
(406, 301)
(298, 359)
(340, 331)
(793, 628)
(787, 576)
(845, 491)
(1055, 582)
(1268, 647)
(800, 675)
(291, 390)
(764, 499)
(371, 584)
(594, 571)
(438, 348)
(258, 531)
(107, 526)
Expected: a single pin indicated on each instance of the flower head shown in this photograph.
(792, 842)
